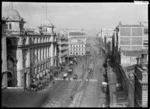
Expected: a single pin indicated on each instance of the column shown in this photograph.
(45, 52)
(28, 65)
(4, 62)
(42, 53)
(19, 68)
(52, 51)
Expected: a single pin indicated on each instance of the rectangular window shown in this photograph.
(136, 40)
(124, 40)
(124, 31)
(145, 30)
(145, 43)
(136, 31)
(9, 25)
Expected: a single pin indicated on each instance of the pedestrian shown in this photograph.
(71, 98)
(53, 82)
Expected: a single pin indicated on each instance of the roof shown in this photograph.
(47, 23)
(11, 14)
(131, 25)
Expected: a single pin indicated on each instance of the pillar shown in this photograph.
(52, 56)
(28, 65)
(4, 62)
(19, 68)
(55, 55)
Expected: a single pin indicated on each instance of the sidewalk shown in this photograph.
(112, 80)
(17, 97)
(116, 97)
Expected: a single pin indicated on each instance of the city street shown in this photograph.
(70, 55)
(86, 91)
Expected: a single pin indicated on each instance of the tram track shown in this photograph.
(74, 91)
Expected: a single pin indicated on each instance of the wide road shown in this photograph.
(85, 91)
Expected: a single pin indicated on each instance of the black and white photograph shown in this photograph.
(74, 54)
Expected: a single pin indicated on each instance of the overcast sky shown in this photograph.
(90, 16)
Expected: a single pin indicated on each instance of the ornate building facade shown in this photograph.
(28, 54)
(77, 42)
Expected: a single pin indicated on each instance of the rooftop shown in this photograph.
(11, 14)
(131, 25)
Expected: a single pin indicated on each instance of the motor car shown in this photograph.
(75, 76)
(71, 62)
(104, 87)
(65, 75)
(70, 70)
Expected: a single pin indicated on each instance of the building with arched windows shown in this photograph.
(27, 54)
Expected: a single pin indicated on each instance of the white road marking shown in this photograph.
(71, 79)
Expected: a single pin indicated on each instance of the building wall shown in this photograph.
(77, 42)
(141, 88)
(63, 48)
(4, 57)
(131, 37)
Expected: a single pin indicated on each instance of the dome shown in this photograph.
(47, 23)
(12, 14)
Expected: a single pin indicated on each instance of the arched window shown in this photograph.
(33, 40)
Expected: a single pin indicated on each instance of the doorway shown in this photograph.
(9, 79)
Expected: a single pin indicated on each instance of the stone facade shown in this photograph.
(29, 54)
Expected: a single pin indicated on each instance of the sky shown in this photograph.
(90, 16)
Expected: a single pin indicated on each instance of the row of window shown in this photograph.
(77, 45)
(76, 48)
(41, 67)
(77, 53)
(38, 40)
(131, 32)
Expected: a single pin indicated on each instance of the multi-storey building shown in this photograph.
(77, 42)
(62, 47)
(130, 37)
(141, 81)
(106, 36)
(129, 42)
(126, 60)
(29, 54)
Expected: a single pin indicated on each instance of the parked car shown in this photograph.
(70, 70)
(71, 62)
(75, 76)
(65, 75)
(104, 87)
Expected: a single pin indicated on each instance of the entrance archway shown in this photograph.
(9, 79)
